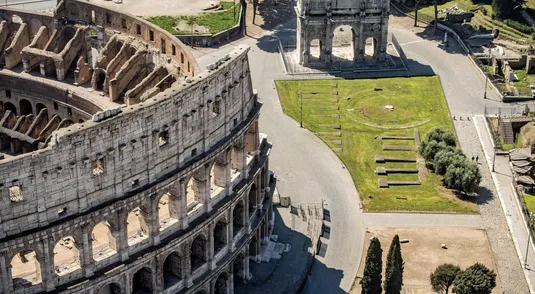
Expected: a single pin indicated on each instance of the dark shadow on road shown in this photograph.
(329, 282)
(275, 12)
(288, 274)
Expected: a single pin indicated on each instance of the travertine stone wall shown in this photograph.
(183, 160)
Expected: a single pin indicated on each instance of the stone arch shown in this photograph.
(34, 24)
(343, 43)
(238, 217)
(253, 198)
(172, 269)
(98, 79)
(66, 256)
(142, 281)
(221, 285)
(371, 47)
(238, 266)
(315, 50)
(9, 106)
(194, 189)
(104, 242)
(168, 209)
(25, 269)
(25, 107)
(218, 174)
(110, 288)
(198, 252)
(220, 235)
(137, 226)
(39, 107)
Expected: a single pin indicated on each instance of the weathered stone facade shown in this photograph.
(125, 168)
(317, 20)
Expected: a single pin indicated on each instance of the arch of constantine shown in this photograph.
(364, 23)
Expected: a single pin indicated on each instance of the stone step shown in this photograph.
(334, 134)
(383, 159)
(388, 170)
(399, 148)
(396, 138)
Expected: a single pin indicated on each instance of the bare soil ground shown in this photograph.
(423, 253)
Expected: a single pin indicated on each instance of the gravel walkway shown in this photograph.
(509, 268)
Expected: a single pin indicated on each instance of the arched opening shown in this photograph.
(112, 288)
(66, 256)
(238, 267)
(253, 246)
(99, 81)
(236, 160)
(199, 252)
(238, 218)
(9, 106)
(253, 199)
(221, 284)
(343, 44)
(136, 227)
(103, 243)
(167, 210)
(218, 177)
(142, 281)
(25, 269)
(315, 51)
(194, 198)
(39, 107)
(220, 235)
(172, 272)
(370, 49)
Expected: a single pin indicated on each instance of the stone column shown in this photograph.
(384, 39)
(231, 282)
(207, 199)
(154, 220)
(47, 265)
(183, 205)
(211, 245)
(228, 172)
(5, 281)
(356, 42)
(329, 34)
(86, 260)
(186, 269)
(123, 235)
(362, 42)
(246, 266)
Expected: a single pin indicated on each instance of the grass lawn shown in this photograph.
(529, 199)
(363, 118)
(215, 22)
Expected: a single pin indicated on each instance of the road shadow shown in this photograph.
(484, 196)
(288, 274)
(275, 12)
(329, 282)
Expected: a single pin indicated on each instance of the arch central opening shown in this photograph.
(343, 46)
(172, 272)
(66, 256)
(25, 270)
(103, 242)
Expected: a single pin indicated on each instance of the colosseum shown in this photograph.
(124, 166)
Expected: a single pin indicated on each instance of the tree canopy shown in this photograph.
(372, 276)
(443, 277)
(476, 279)
(394, 268)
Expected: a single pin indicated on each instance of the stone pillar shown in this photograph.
(381, 55)
(123, 235)
(246, 273)
(86, 260)
(5, 281)
(356, 42)
(362, 43)
(153, 220)
(47, 265)
(211, 245)
(207, 199)
(230, 238)
(329, 34)
(231, 282)
(228, 172)
(186, 269)
(180, 185)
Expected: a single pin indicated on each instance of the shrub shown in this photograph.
(440, 135)
(464, 178)
(444, 158)
(520, 26)
(476, 279)
(428, 149)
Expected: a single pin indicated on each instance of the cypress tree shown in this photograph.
(394, 268)
(371, 278)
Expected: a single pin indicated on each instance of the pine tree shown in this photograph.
(476, 279)
(371, 278)
(394, 268)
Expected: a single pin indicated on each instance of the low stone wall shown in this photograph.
(208, 40)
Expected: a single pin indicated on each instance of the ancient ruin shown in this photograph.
(124, 167)
(363, 21)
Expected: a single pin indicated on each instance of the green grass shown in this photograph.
(215, 22)
(415, 100)
(529, 200)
